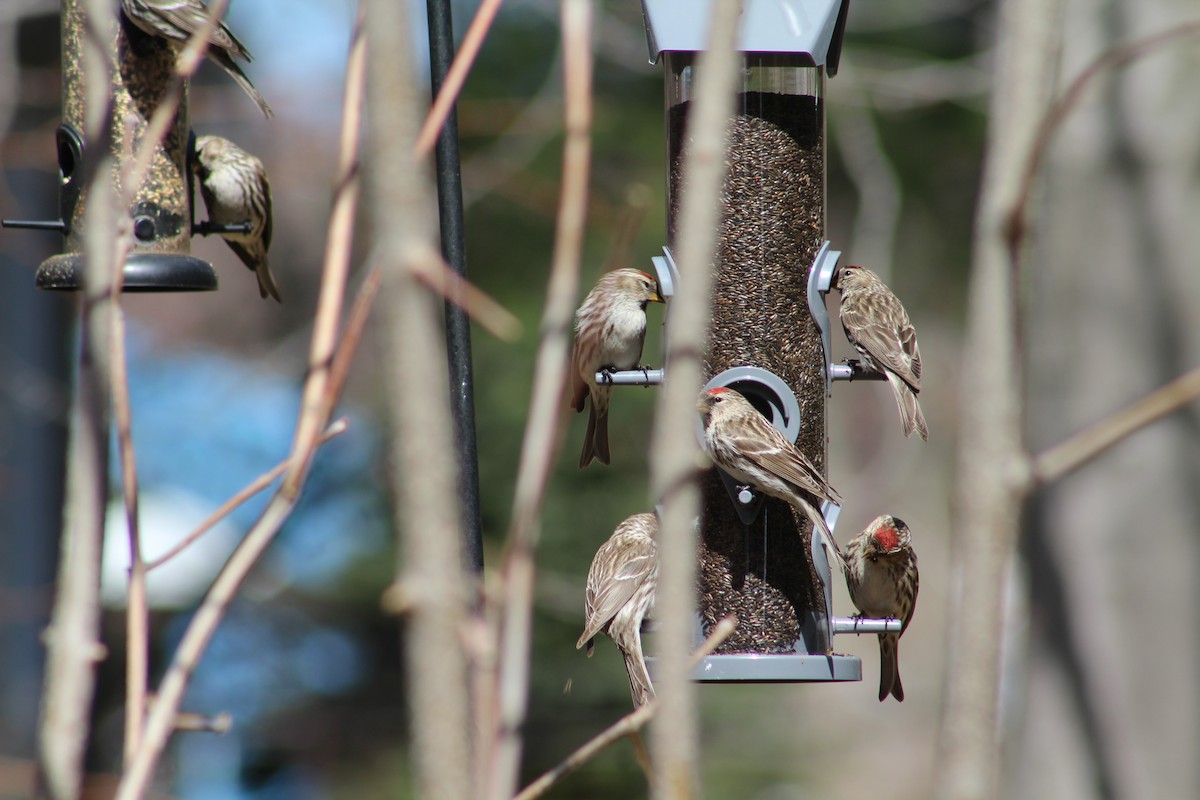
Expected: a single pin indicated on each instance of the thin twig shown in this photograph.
(134, 169)
(161, 720)
(992, 479)
(315, 404)
(456, 77)
(620, 247)
(137, 615)
(545, 412)
(254, 487)
(1072, 453)
(137, 645)
(430, 564)
(628, 725)
(1055, 116)
(186, 64)
(72, 637)
(674, 737)
(436, 274)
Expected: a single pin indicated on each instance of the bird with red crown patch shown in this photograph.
(752, 451)
(881, 574)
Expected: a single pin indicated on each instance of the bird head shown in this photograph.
(711, 398)
(211, 150)
(844, 274)
(889, 536)
(638, 286)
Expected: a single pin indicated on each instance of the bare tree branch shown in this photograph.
(545, 410)
(254, 487)
(186, 64)
(72, 638)
(993, 475)
(673, 450)
(317, 405)
(457, 76)
(1067, 456)
(137, 645)
(1066, 103)
(628, 725)
(431, 571)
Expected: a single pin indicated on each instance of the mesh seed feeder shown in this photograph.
(161, 209)
(769, 336)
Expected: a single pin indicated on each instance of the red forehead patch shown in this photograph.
(887, 538)
(718, 390)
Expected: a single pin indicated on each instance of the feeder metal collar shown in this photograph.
(812, 28)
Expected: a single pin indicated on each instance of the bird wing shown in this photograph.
(776, 454)
(579, 387)
(912, 607)
(893, 349)
(265, 209)
(184, 18)
(610, 586)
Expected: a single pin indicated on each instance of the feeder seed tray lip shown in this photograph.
(774, 668)
(144, 272)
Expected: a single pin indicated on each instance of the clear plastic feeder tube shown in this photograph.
(772, 226)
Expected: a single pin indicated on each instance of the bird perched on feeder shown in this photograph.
(176, 21)
(746, 445)
(235, 190)
(881, 574)
(610, 328)
(620, 595)
(878, 326)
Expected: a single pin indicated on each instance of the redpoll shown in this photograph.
(177, 20)
(881, 574)
(877, 325)
(610, 328)
(620, 594)
(743, 442)
(235, 189)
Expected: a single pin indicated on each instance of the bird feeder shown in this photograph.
(756, 558)
(161, 208)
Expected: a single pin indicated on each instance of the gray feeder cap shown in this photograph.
(811, 27)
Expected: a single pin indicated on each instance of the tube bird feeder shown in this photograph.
(756, 558)
(161, 208)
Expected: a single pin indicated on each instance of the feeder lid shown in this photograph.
(811, 27)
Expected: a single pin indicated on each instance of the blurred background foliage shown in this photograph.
(308, 663)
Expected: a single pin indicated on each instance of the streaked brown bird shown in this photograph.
(746, 445)
(176, 21)
(620, 595)
(881, 574)
(878, 327)
(235, 190)
(610, 329)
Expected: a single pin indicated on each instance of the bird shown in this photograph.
(610, 329)
(743, 443)
(881, 575)
(176, 20)
(878, 327)
(235, 190)
(620, 595)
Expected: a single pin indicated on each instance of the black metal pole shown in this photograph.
(458, 327)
